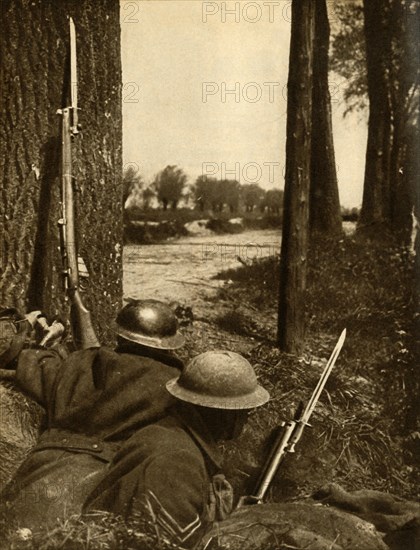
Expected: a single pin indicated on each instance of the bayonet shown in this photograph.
(291, 432)
(73, 79)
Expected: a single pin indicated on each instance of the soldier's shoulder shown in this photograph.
(158, 363)
(167, 435)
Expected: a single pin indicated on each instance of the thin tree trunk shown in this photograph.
(324, 211)
(293, 262)
(34, 75)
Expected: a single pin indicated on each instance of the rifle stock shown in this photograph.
(81, 321)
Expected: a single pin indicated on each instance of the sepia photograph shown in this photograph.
(209, 275)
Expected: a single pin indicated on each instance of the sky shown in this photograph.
(204, 87)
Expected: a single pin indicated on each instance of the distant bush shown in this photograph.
(267, 221)
(156, 225)
(350, 214)
(149, 233)
(223, 226)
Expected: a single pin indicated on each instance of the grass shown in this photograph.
(365, 431)
(99, 531)
(365, 425)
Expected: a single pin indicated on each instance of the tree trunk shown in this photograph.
(401, 192)
(293, 264)
(392, 59)
(376, 191)
(324, 206)
(403, 28)
(34, 77)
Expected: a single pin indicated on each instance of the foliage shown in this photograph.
(213, 194)
(202, 192)
(156, 225)
(252, 196)
(375, 50)
(348, 53)
(210, 193)
(147, 196)
(273, 201)
(350, 214)
(223, 226)
(169, 185)
(132, 184)
(231, 193)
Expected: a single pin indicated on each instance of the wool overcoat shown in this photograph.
(95, 400)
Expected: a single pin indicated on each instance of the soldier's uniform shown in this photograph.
(172, 467)
(95, 400)
(118, 441)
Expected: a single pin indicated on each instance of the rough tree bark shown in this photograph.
(324, 204)
(392, 69)
(376, 190)
(34, 69)
(293, 259)
(404, 26)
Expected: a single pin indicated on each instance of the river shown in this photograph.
(182, 270)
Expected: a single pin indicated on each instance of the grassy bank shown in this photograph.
(365, 428)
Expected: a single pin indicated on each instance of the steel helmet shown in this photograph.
(219, 379)
(150, 323)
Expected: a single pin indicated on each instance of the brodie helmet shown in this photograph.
(13, 333)
(219, 379)
(150, 323)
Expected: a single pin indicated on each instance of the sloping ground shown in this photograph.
(364, 432)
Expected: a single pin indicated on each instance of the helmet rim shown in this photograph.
(174, 341)
(259, 396)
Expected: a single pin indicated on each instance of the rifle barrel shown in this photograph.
(274, 460)
(68, 202)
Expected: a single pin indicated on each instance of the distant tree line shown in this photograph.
(169, 188)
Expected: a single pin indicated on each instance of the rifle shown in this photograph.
(291, 433)
(84, 336)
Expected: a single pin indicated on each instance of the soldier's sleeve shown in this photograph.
(177, 492)
(37, 369)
